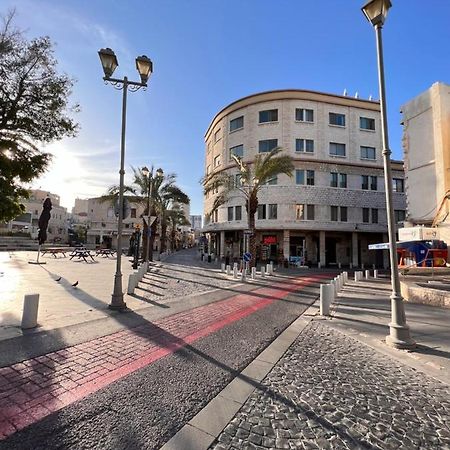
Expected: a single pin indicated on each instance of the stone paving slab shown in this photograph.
(330, 391)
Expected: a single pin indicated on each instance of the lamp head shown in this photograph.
(145, 171)
(145, 68)
(376, 11)
(159, 172)
(109, 61)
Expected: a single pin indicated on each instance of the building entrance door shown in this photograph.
(330, 251)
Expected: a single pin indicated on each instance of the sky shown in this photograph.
(207, 54)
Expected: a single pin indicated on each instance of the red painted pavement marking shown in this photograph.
(34, 388)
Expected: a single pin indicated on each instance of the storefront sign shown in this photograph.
(267, 240)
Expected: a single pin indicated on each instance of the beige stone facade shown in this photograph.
(334, 205)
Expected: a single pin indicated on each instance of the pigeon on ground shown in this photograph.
(58, 279)
(75, 284)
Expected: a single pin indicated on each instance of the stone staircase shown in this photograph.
(15, 243)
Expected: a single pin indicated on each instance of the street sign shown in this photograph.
(247, 256)
(383, 246)
(152, 219)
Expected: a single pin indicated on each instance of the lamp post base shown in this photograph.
(117, 302)
(115, 306)
(399, 337)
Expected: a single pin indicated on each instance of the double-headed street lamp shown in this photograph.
(399, 336)
(145, 68)
(149, 177)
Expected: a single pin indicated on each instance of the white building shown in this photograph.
(334, 205)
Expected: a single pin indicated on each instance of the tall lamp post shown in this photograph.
(149, 176)
(399, 336)
(144, 67)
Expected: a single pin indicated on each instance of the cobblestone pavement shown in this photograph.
(329, 391)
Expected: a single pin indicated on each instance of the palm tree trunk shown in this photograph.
(172, 244)
(163, 237)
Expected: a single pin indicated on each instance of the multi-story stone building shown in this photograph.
(334, 205)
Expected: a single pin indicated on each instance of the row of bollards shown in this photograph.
(268, 269)
(136, 277)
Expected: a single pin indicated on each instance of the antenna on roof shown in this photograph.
(356, 94)
(345, 93)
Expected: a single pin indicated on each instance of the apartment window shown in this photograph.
(304, 145)
(217, 135)
(237, 124)
(273, 210)
(365, 215)
(299, 212)
(215, 216)
(398, 185)
(267, 145)
(310, 177)
(238, 212)
(208, 169)
(373, 183)
(304, 115)
(272, 181)
(238, 180)
(365, 123)
(367, 152)
(133, 213)
(217, 161)
(334, 213)
(237, 150)
(342, 180)
(374, 215)
(299, 177)
(270, 115)
(230, 213)
(338, 180)
(337, 149)
(399, 215)
(310, 212)
(343, 214)
(337, 119)
(334, 179)
(208, 147)
(261, 212)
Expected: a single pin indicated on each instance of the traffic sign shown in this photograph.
(247, 256)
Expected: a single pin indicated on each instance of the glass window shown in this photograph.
(273, 211)
(230, 213)
(374, 215)
(398, 185)
(367, 152)
(299, 212)
(337, 149)
(310, 212)
(365, 215)
(272, 181)
(217, 161)
(238, 180)
(364, 182)
(310, 177)
(237, 150)
(334, 179)
(267, 145)
(270, 115)
(133, 213)
(343, 214)
(365, 123)
(304, 115)
(304, 145)
(337, 119)
(238, 212)
(399, 215)
(299, 177)
(334, 213)
(342, 180)
(208, 169)
(236, 124)
(373, 183)
(261, 211)
(217, 135)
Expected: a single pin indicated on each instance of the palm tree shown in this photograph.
(253, 175)
(176, 218)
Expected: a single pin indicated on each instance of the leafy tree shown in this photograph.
(33, 111)
(175, 218)
(253, 176)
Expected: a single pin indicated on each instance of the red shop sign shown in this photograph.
(269, 240)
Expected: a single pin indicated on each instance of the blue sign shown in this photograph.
(247, 256)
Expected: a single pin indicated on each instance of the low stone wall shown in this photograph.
(414, 293)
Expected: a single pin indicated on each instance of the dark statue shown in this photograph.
(43, 220)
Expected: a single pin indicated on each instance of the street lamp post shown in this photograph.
(399, 335)
(144, 67)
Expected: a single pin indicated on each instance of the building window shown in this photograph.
(310, 177)
(237, 150)
(338, 180)
(272, 181)
(310, 212)
(365, 123)
(267, 145)
(334, 213)
(208, 147)
(215, 215)
(230, 213)
(399, 215)
(238, 180)
(237, 124)
(343, 214)
(373, 183)
(304, 145)
(365, 182)
(273, 211)
(342, 180)
(398, 185)
(337, 119)
(208, 169)
(304, 115)
(270, 115)
(367, 152)
(334, 179)
(133, 213)
(238, 212)
(299, 177)
(337, 149)
(374, 215)
(299, 212)
(365, 215)
(261, 212)
(217, 135)
(217, 161)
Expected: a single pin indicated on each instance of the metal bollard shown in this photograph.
(222, 267)
(228, 270)
(253, 273)
(375, 273)
(30, 311)
(263, 272)
(324, 300)
(367, 274)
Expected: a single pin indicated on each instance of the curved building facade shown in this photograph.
(334, 205)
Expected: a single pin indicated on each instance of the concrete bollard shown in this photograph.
(222, 267)
(228, 270)
(362, 266)
(30, 311)
(243, 276)
(235, 271)
(263, 272)
(339, 265)
(333, 294)
(131, 283)
(367, 274)
(345, 277)
(375, 273)
(356, 276)
(318, 265)
(271, 268)
(325, 300)
(253, 273)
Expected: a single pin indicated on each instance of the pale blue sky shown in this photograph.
(208, 53)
